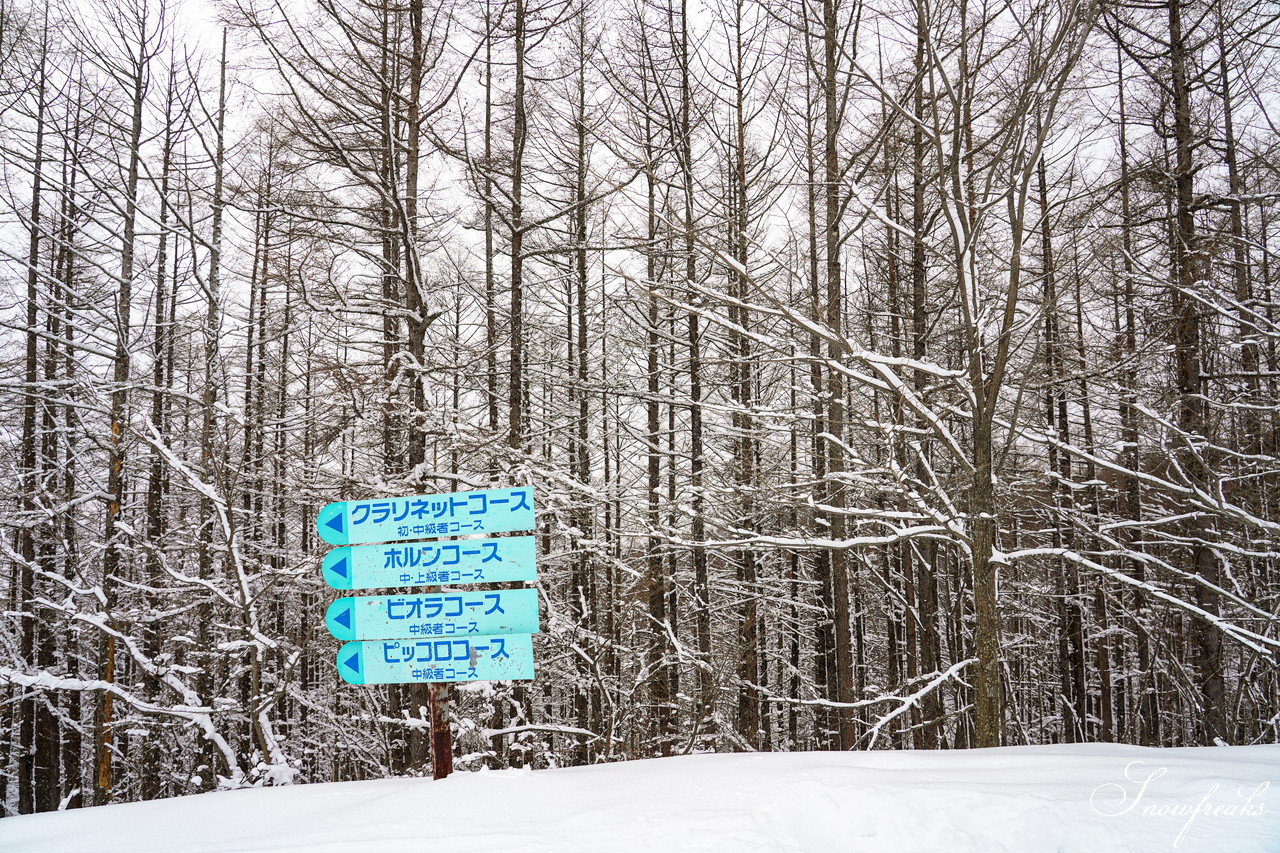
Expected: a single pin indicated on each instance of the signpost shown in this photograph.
(426, 516)
(458, 614)
(434, 637)
(477, 658)
(504, 560)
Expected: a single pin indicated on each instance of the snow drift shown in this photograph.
(1088, 798)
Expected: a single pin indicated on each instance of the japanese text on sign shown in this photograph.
(511, 558)
(389, 519)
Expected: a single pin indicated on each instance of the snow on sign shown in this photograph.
(456, 614)
(510, 558)
(474, 658)
(426, 516)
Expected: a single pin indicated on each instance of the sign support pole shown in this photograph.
(438, 716)
(441, 736)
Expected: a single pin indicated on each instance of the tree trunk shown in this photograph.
(1192, 411)
(834, 451)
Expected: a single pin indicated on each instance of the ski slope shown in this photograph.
(1094, 798)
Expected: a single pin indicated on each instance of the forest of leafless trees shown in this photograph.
(890, 373)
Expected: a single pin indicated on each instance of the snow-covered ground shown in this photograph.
(1088, 798)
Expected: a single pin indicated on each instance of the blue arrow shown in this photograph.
(340, 619)
(338, 568)
(351, 668)
(331, 523)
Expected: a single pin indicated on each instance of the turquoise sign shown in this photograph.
(474, 658)
(503, 560)
(426, 516)
(456, 614)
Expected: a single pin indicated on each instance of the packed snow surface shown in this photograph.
(1087, 798)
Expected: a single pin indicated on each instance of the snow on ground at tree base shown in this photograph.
(1094, 798)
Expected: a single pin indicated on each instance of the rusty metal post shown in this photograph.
(441, 736)
(438, 716)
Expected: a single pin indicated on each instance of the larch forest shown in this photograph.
(890, 373)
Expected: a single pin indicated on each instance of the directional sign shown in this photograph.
(474, 658)
(426, 516)
(458, 614)
(511, 558)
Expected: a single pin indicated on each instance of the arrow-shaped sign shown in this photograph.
(474, 658)
(426, 516)
(452, 614)
(503, 560)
